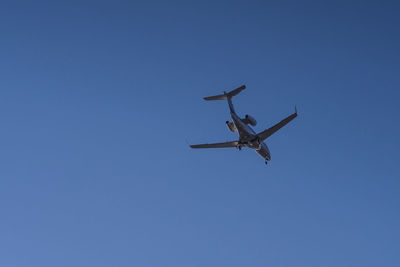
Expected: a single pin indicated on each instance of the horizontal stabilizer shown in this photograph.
(226, 95)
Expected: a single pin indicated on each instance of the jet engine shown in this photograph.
(231, 126)
(250, 120)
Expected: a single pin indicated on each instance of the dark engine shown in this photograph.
(249, 120)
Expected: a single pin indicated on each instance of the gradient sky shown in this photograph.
(99, 100)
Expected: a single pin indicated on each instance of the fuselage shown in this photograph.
(248, 138)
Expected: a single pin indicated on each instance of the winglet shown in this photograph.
(295, 109)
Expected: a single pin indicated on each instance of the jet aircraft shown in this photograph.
(247, 136)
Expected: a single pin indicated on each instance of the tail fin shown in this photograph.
(226, 95)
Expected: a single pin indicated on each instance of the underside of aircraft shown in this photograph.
(247, 136)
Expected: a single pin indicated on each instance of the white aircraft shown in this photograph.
(247, 136)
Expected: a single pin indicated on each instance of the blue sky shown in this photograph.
(99, 100)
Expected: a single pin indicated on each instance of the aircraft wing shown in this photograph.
(270, 131)
(216, 145)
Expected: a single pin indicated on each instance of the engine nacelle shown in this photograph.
(250, 120)
(231, 126)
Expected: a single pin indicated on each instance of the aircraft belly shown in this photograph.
(245, 132)
(247, 136)
(264, 152)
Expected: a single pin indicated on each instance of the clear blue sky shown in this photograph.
(99, 99)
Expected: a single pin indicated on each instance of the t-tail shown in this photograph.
(227, 96)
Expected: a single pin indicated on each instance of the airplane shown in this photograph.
(247, 136)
